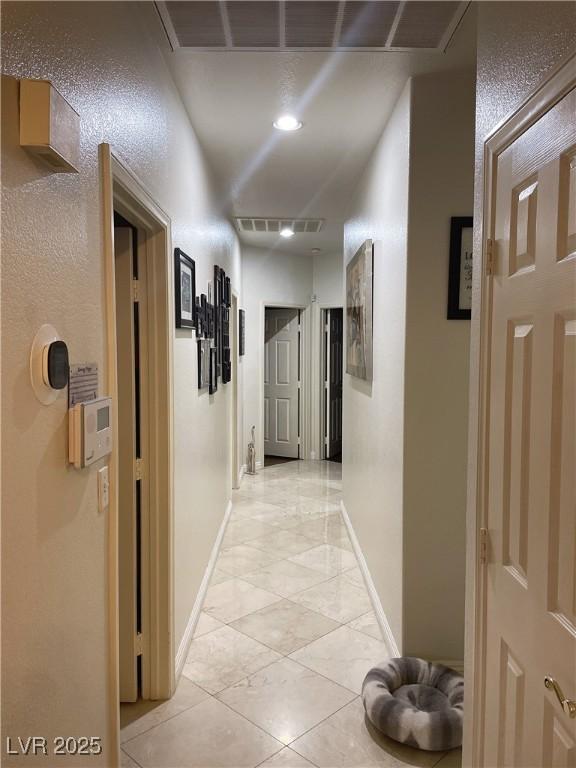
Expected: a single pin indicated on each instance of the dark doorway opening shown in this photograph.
(333, 361)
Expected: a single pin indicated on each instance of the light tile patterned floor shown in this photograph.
(282, 646)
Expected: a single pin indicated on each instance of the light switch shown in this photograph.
(103, 489)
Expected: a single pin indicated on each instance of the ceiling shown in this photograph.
(343, 98)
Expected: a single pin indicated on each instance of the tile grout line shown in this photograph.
(130, 756)
(322, 499)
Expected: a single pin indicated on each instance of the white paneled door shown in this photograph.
(530, 465)
(281, 376)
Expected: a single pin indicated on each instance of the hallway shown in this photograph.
(287, 634)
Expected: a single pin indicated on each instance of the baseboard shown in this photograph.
(184, 646)
(244, 469)
(456, 664)
(385, 627)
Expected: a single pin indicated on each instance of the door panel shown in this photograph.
(282, 420)
(562, 546)
(559, 749)
(531, 572)
(281, 383)
(283, 362)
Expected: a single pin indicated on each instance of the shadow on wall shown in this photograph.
(359, 385)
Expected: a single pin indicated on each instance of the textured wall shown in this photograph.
(327, 279)
(518, 44)
(266, 277)
(277, 278)
(404, 440)
(437, 350)
(373, 414)
(102, 58)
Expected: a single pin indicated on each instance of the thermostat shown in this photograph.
(49, 366)
(90, 431)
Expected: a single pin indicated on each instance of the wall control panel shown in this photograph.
(90, 432)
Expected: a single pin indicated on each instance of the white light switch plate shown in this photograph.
(103, 489)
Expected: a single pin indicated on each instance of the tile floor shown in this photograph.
(287, 633)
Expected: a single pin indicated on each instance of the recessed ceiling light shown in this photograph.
(315, 250)
(286, 232)
(287, 123)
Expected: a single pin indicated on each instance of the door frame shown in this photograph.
(319, 386)
(305, 433)
(559, 82)
(123, 191)
(235, 410)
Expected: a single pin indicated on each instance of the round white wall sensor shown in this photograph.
(48, 364)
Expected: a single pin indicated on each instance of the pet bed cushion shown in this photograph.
(416, 702)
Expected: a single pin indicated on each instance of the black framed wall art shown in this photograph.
(213, 381)
(460, 270)
(203, 363)
(241, 332)
(184, 289)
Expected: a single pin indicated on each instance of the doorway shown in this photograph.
(282, 382)
(234, 410)
(132, 446)
(331, 383)
(139, 363)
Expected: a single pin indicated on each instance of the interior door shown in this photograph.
(281, 377)
(334, 352)
(530, 588)
(130, 496)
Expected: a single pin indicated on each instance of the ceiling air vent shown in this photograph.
(260, 224)
(311, 25)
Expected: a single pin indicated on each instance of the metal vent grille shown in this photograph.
(199, 24)
(422, 25)
(367, 24)
(254, 25)
(311, 25)
(260, 224)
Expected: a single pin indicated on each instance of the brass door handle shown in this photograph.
(568, 705)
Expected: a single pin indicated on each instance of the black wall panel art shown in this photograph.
(209, 314)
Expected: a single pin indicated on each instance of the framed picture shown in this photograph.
(241, 332)
(460, 271)
(210, 321)
(217, 299)
(226, 366)
(213, 383)
(203, 363)
(359, 287)
(185, 289)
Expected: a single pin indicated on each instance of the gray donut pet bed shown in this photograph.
(416, 702)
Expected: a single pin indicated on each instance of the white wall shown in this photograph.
(373, 414)
(274, 278)
(280, 278)
(404, 439)
(103, 59)
(436, 385)
(327, 279)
